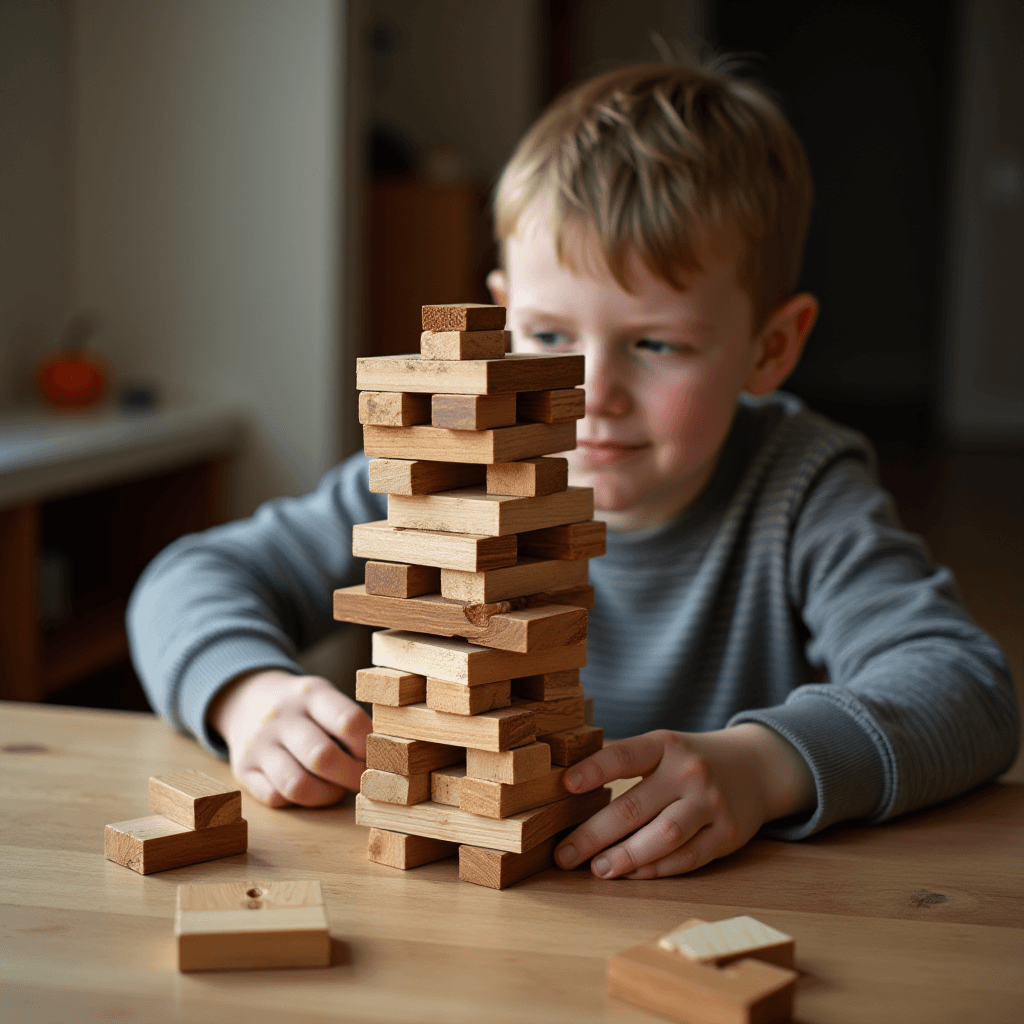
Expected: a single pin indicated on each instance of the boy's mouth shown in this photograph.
(606, 453)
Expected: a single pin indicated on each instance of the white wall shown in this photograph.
(206, 219)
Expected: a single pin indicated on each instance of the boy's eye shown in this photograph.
(550, 338)
(658, 348)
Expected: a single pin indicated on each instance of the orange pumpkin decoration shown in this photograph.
(72, 379)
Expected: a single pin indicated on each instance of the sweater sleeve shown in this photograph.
(248, 595)
(920, 705)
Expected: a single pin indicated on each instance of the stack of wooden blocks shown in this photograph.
(480, 573)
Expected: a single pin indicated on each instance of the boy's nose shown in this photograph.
(607, 393)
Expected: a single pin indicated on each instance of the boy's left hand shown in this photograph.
(703, 795)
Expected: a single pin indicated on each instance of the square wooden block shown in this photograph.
(158, 844)
(398, 850)
(464, 345)
(393, 408)
(472, 412)
(194, 800)
(390, 686)
(463, 316)
(529, 478)
(401, 579)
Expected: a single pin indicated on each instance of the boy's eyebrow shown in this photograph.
(636, 327)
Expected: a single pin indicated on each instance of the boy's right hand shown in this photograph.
(281, 730)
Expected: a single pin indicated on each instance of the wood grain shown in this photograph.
(459, 699)
(390, 686)
(404, 756)
(402, 580)
(464, 345)
(397, 850)
(572, 745)
(530, 478)
(551, 406)
(499, 444)
(554, 716)
(574, 540)
(155, 843)
(418, 476)
(194, 800)
(393, 788)
(461, 551)
(463, 316)
(502, 799)
(472, 412)
(510, 766)
(498, 869)
(499, 729)
(445, 784)
(527, 576)
(393, 408)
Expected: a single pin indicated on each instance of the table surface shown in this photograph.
(918, 920)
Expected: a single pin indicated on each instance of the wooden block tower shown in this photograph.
(480, 575)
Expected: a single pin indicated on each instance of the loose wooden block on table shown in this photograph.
(445, 784)
(158, 844)
(462, 662)
(549, 685)
(501, 799)
(420, 476)
(498, 869)
(492, 730)
(194, 800)
(509, 766)
(747, 992)
(463, 551)
(393, 408)
(459, 699)
(473, 510)
(390, 686)
(528, 478)
(402, 580)
(398, 850)
(464, 344)
(393, 788)
(551, 406)
(462, 316)
(499, 444)
(251, 925)
(404, 756)
(572, 745)
(472, 412)
(516, 834)
(515, 372)
(572, 541)
(527, 576)
(554, 715)
(721, 942)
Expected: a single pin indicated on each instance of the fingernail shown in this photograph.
(602, 865)
(573, 778)
(567, 855)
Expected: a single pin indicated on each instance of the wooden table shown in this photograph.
(919, 920)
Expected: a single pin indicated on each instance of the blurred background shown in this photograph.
(248, 194)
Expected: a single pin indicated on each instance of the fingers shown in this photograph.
(294, 783)
(625, 759)
(339, 716)
(710, 842)
(259, 786)
(673, 829)
(318, 753)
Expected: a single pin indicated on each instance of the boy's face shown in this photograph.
(664, 368)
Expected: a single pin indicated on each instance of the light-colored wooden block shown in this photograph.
(515, 372)
(516, 834)
(251, 925)
(500, 729)
(445, 784)
(498, 869)
(527, 576)
(393, 408)
(502, 799)
(390, 686)
(464, 345)
(473, 510)
(551, 406)
(549, 685)
(460, 699)
(445, 550)
(472, 412)
(721, 942)
(572, 745)
(157, 844)
(747, 992)
(463, 316)
(402, 580)
(572, 541)
(524, 630)
(463, 662)
(509, 766)
(409, 757)
(418, 476)
(194, 800)
(393, 788)
(398, 850)
(554, 715)
(530, 478)
(499, 444)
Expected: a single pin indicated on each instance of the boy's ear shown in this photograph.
(781, 343)
(498, 287)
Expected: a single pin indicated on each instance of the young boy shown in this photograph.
(653, 219)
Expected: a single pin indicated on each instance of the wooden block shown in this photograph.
(549, 686)
(463, 316)
(462, 662)
(492, 730)
(194, 800)
(472, 412)
(551, 406)
(418, 476)
(746, 992)
(250, 925)
(464, 345)
(498, 869)
(529, 478)
(157, 843)
(445, 784)
(515, 372)
(473, 510)
(554, 715)
(467, 552)
(460, 699)
(393, 788)
(393, 408)
(527, 576)
(502, 799)
(572, 745)
(409, 757)
(398, 850)
(499, 444)
(400, 579)
(719, 943)
(390, 686)
(509, 766)
(577, 597)
(575, 540)
(588, 710)
(516, 834)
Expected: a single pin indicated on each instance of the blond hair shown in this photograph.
(652, 156)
